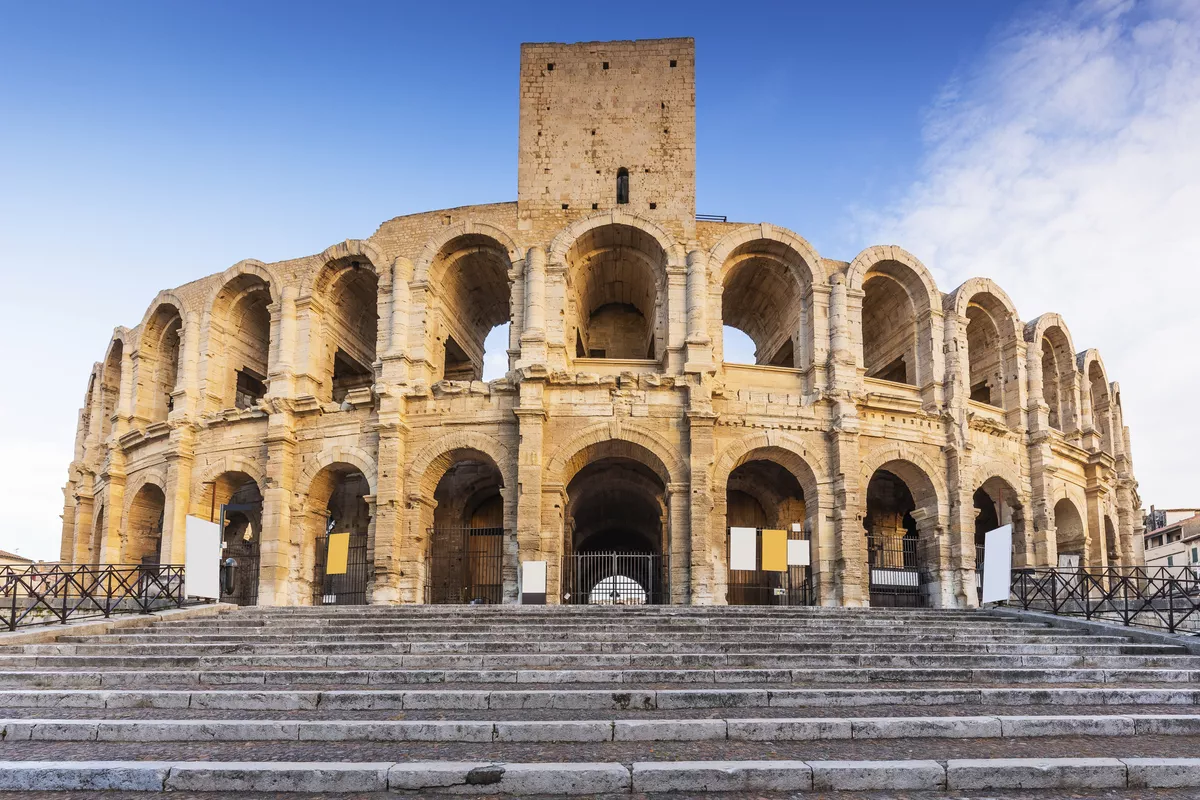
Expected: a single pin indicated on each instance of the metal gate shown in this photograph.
(758, 587)
(349, 588)
(239, 579)
(466, 565)
(895, 577)
(628, 579)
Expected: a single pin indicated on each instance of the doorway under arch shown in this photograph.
(766, 496)
(615, 534)
(465, 561)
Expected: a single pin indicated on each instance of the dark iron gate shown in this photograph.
(348, 589)
(759, 587)
(239, 579)
(466, 565)
(630, 579)
(895, 580)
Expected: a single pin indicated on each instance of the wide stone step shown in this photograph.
(331, 678)
(597, 778)
(601, 661)
(662, 729)
(584, 648)
(336, 701)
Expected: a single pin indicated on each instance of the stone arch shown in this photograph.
(112, 379)
(601, 440)
(153, 477)
(914, 468)
(317, 280)
(816, 272)
(1096, 396)
(356, 457)
(989, 340)
(344, 316)
(897, 335)
(998, 475)
(159, 358)
(233, 463)
(145, 507)
(566, 238)
(431, 463)
(469, 291)
(1054, 352)
(766, 278)
(165, 297)
(424, 262)
(807, 466)
(247, 266)
(1070, 528)
(238, 336)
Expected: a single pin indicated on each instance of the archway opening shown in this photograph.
(996, 504)
(762, 297)
(98, 533)
(616, 522)
(350, 322)
(338, 522)
(465, 563)
(233, 499)
(471, 275)
(160, 351)
(763, 495)
(985, 363)
(889, 329)
(241, 336)
(1069, 534)
(894, 557)
(1101, 410)
(1058, 378)
(110, 391)
(1111, 544)
(614, 309)
(142, 537)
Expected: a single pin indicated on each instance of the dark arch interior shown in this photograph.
(987, 517)
(891, 529)
(616, 505)
(466, 544)
(764, 495)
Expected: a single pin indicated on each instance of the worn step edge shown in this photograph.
(609, 730)
(457, 777)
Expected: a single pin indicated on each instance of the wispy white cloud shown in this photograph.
(1066, 166)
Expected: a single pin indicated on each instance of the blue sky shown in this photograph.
(147, 143)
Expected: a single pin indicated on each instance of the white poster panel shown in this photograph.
(202, 561)
(997, 564)
(798, 553)
(743, 548)
(533, 577)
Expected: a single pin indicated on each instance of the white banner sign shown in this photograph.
(202, 561)
(997, 564)
(798, 553)
(743, 548)
(533, 577)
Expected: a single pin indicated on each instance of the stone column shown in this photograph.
(414, 549)
(699, 345)
(533, 337)
(282, 372)
(534, 542)
(180, 458)
(679, 541)
(84, 508)
(850, 571)
(704, 581)
(276, 543)
(933, 556)
(554, 505)
(388, 519)
(675, 334)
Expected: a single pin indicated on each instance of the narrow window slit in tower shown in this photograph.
(622, 186)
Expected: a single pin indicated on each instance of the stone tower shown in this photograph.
(596, 113)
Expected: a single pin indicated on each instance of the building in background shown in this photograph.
(1175, 540)
(8, 559)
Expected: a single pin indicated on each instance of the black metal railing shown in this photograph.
(895, 575)
(1155, 597)
(465, 565)
(347, 588)
(979, 570)
(711, 218)
(61, 593)
(623, 579)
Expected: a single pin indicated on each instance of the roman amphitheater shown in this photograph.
(884, 421)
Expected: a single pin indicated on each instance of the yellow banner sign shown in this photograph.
(338, 554)
(774, 551)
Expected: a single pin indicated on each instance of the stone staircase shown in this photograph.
(596, 701)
